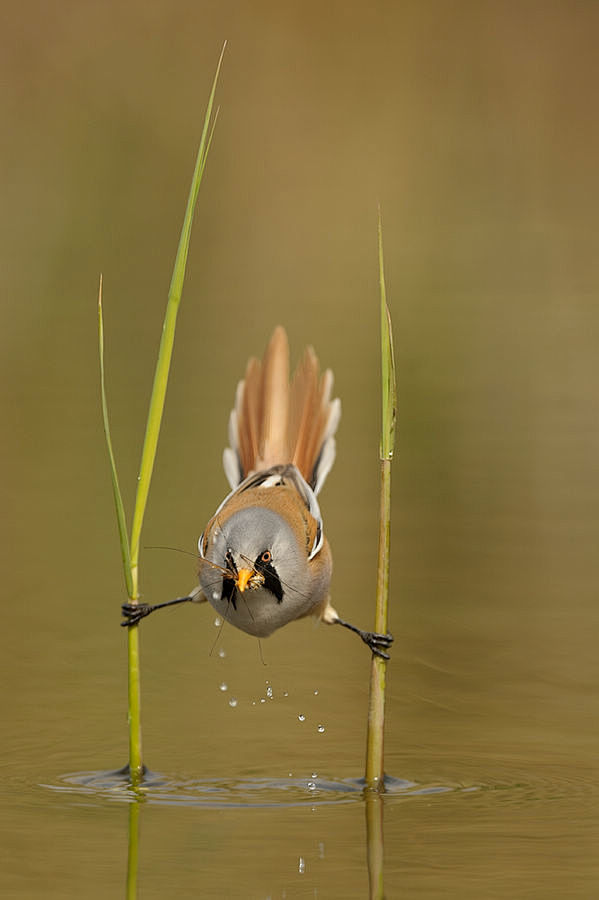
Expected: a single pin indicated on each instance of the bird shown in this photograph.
(264, 560)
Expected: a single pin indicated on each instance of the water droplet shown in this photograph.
(314, 774)
(218, 621)
(316, 693)
(302, 865)
(269, 692)
(290, 774)
(262, 699)
(320, 729)
(301, 718)
(222, 653)
(311, 786)
(233, 701)
(223, 686)
(285, 693)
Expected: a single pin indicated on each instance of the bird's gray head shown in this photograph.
(259, 542)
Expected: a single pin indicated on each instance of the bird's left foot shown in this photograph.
(134, 613)
(378, 643)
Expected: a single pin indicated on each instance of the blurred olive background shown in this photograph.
(474, 125)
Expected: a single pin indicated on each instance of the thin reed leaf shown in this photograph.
(389, 389)
(157, 399)
(375, 772)
(118, 500)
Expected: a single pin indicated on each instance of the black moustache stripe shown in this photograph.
(228, 592)
(272, 582)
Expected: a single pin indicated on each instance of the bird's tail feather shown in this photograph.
(274, 422)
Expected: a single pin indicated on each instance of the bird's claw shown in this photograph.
(378, 643)
(134, 613)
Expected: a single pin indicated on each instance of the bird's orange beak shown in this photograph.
(243, 577)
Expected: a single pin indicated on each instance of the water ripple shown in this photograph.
(242, 792)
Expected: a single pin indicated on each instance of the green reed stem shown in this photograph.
(130, 548)
(376, 706)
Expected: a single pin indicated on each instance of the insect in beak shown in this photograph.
(248, 578)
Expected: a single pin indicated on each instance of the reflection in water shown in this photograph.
(133, 848)
(255, 793)
(375, 842)
(313, 795)
(119, 784)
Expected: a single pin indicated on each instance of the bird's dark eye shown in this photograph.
(266, 557)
